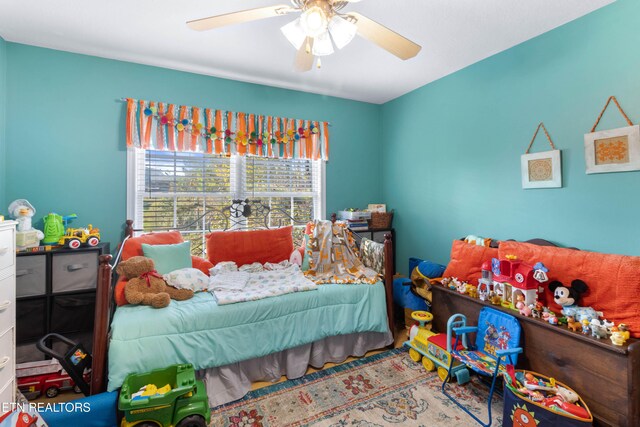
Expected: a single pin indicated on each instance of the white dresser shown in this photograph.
(7, 313)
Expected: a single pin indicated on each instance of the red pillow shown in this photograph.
(246, 247)
(467, 259)
(133, 246)
(613, 280)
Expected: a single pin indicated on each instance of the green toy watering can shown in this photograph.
(54, 225)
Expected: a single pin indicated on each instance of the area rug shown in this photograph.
(387, 389)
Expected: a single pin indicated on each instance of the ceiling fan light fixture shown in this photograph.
(314, 21)
(342, 31)
(294, 32)
(322, 45)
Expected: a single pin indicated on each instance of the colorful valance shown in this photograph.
(161, 126)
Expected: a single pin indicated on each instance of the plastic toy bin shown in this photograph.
(181, 378)
(522, 411)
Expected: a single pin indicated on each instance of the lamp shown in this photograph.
(322, 45)
(325, 27)
(314, 21)
(342, 31)
(294, 32)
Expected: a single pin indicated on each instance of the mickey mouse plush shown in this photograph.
(566, 296)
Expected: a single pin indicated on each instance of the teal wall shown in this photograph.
(65, 143)
(3, 105)
(452, 148)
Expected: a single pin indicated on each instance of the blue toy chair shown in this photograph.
(497, 344)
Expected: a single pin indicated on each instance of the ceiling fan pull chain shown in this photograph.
(319, 64)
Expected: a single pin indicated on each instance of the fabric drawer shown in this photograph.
(28, 353)
(73, 313)
(6, 356)
(7, 303)
(7, 248)
(378, 236)
(30, 319)
(31, 275)
(72, 272)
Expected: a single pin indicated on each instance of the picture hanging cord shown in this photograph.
(541, 125)
(595, 125)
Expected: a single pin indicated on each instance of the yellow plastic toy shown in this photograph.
(432, 348)
(75, 237)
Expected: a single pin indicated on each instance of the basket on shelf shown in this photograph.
(381, 220)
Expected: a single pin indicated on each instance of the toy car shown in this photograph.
(75, 237)
(164, 397)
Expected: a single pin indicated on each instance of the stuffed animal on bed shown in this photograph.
(146, 286)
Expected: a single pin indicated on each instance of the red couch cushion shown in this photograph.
(133, 246)
(246, 247)
(613, 280)
(467, 259)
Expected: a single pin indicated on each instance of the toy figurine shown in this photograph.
(619, 336)
(26, 236)
(483, 291)
(572, 324)
(495, 298)
(523, 309)
(622, 327)
(585, 327)
(598, 329)
(536, 310)
(549, 316)
(471, 290)
(461, 286)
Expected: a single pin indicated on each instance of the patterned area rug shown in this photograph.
(387, 389)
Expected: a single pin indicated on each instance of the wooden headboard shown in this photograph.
(240, 215)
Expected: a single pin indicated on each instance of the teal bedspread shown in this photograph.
(200, 332)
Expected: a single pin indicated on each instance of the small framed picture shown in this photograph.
(541, 170)
(378, 207)
(614, 150)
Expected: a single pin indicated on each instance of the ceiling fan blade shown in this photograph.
(239, 17)
(387, 39)
(304, 57)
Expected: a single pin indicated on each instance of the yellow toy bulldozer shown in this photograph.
(75, 237)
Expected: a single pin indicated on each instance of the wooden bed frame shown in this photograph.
(234, 216)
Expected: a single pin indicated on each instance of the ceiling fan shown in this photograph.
(319, 26)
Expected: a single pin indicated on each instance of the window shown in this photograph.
(173, 189)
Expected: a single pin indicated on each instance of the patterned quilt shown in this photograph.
(238, 286)
(334, 256)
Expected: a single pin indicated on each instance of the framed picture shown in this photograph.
(378, 207)
(541, 170)
(614, 150)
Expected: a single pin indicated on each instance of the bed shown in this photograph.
(234, 345)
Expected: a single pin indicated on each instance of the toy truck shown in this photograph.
(168, 397)
(75, 237)
(46, 376)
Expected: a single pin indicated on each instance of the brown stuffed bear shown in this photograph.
(146, 286)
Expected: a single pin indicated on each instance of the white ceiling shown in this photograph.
(453, 35)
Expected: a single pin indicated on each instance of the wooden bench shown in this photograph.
(606, 376)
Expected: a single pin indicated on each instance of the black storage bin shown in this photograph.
(72, 313)
(30, 319)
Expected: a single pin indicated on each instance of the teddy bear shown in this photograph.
(146, 286)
